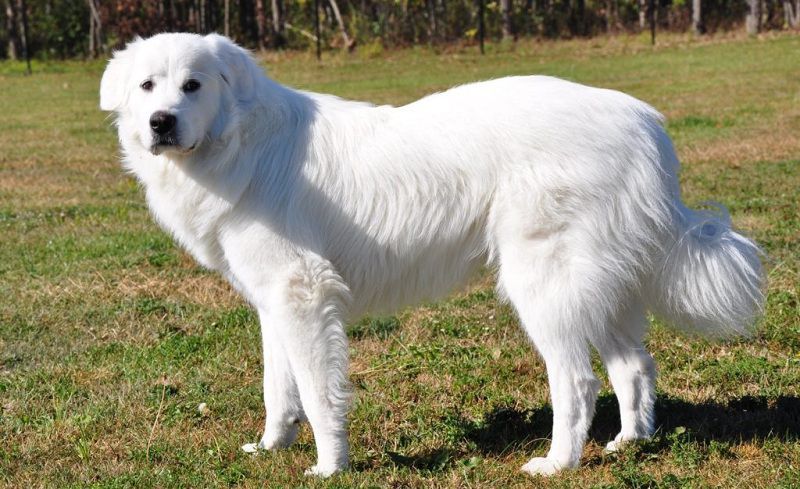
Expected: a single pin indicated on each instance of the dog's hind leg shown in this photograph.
(556, 318)
(573, 392)
(632, 373)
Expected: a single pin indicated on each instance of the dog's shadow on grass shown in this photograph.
(507, 429)
(746, 418)
(742, 419)
(501, 430)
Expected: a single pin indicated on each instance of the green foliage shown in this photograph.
(61, 28)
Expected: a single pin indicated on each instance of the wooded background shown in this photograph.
(88, 28)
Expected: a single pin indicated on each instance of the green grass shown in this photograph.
(110, 336)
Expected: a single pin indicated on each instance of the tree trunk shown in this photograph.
(195, 16)
(23, 13)
(770, 12)
(697, 17)
(278, 24)
(11, 29)
(227, 19)
(442, 28)
(349, 44)
(261, 24)
(432, 24)
(530, 12)
(508, 31)
(95, 30)
(643, 7)
(169, 11)
(212, 17)
(580, 18)
(610, 16)
(791, 13)
(317, 30)
(481, 24)
(92, 47)
(753, 19)
(247, 26)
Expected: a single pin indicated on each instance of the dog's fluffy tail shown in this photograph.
(710, 281)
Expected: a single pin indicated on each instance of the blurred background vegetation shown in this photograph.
(48, 29)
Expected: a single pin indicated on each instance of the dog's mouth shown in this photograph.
(169, 142)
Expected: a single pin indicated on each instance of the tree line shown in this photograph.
(88, 28)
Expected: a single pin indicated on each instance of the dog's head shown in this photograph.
(173, 92)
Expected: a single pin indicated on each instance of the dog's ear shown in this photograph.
(237, 68)
(114, 85)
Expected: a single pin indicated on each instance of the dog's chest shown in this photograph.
(192, 215)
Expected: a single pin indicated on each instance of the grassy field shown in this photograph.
(110, 336)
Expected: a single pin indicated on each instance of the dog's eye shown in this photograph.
(191, 86)
(147, 85)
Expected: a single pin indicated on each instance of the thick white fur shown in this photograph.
(319, 210)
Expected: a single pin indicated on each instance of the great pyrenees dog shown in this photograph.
(319, 210)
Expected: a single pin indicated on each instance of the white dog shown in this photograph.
(319, 210)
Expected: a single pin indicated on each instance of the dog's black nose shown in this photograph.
(162, 122)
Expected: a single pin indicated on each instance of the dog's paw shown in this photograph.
(619, 442)
(276, 438)
(323, 471)
(542, 466)
(256, 447)
(259, 447)
(272, 440)
(615, 445)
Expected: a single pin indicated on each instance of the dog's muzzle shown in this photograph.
(164, 127)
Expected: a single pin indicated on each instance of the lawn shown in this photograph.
(111, 336)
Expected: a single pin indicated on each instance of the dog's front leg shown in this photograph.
(309, 310)
(281, 396)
